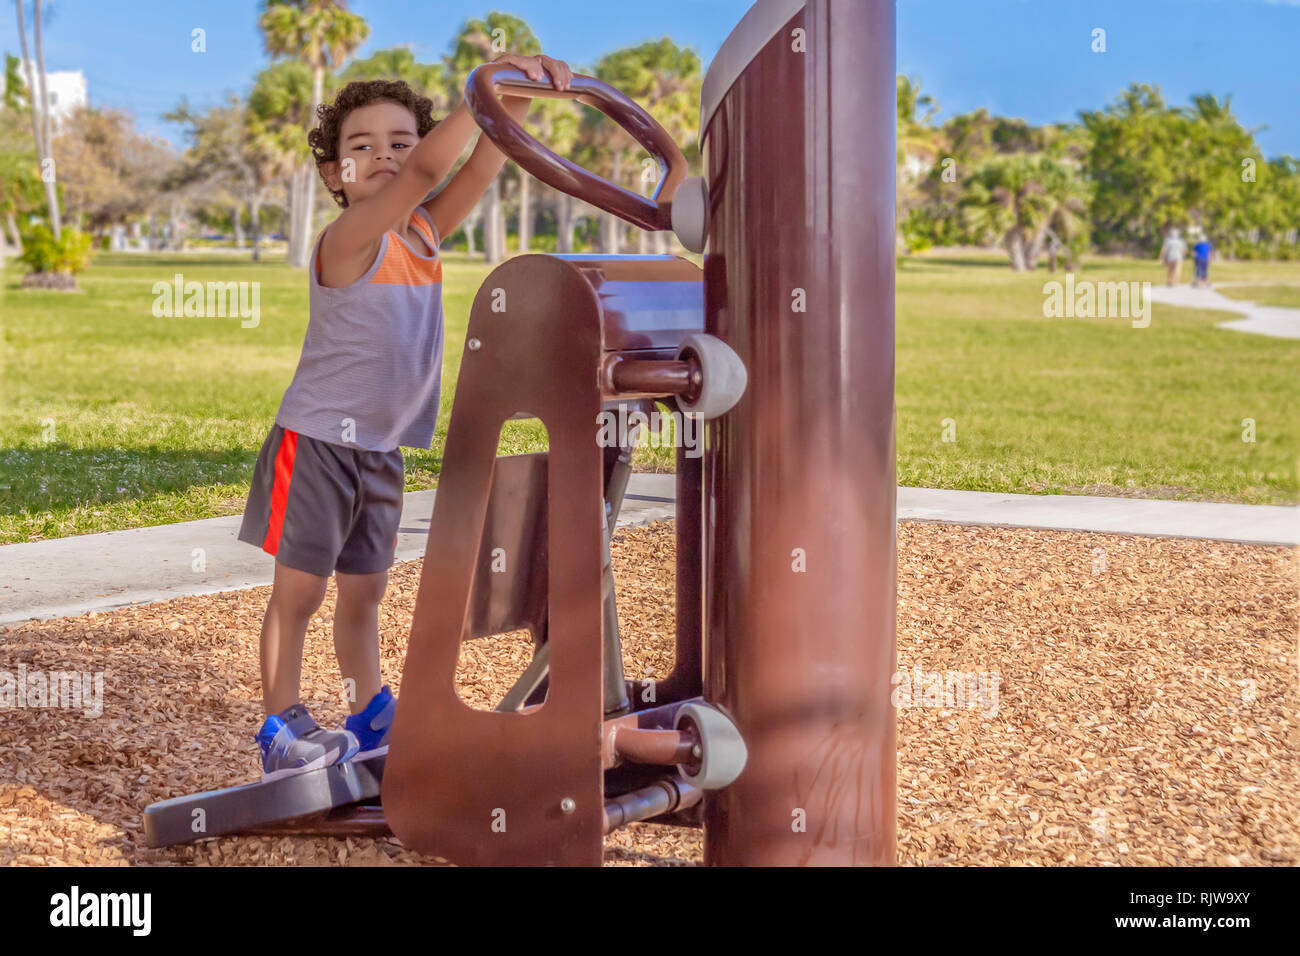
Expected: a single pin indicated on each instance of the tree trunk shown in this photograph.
(38, 124)
(471, 223)
(51, 194)
(255, 225)
(236, 216)
(31, 85)
(525, 212)
(303, 213)
(16, 238)
(1034, 249)
(564, 220)
(492, 244)
(294, 216)
(176, 237)
(307, 186)
(611, 240)
(1016, 249)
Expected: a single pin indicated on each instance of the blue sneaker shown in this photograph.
(293, 743)
(372, 725)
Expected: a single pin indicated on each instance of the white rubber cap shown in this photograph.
(723, 753)
(690, 212)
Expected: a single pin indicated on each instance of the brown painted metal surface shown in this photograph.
(497, 788)
(559, 173)
(799, 477)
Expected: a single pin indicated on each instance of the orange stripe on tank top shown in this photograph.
(400, 267)
(280, 490)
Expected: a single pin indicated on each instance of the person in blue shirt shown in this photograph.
(1201, 256)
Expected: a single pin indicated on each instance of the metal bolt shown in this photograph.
(473, 345)
(567, 805)
(697, 751)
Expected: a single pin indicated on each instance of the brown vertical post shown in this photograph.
(799, 478)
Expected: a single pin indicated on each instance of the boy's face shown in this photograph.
(374, 143)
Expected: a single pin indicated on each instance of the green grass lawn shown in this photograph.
(1287, 296)
(1088, 405)
(111, 418)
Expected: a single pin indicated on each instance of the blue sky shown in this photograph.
(1027, 58)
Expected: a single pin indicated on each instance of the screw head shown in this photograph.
(473, 345)
(697, 751)
(568, 805)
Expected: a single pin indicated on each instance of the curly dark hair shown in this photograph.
(324, 138)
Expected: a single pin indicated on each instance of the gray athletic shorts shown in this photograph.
(320, 507)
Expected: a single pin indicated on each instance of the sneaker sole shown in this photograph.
(324, 760)
(369, 754)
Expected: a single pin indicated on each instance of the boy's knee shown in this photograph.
(361, 588)
(297, 592)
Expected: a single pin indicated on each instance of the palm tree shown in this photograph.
(321, 34)
(399, 63)
(41, 125)
(1017, 198)
(278, 107)
(478, 42)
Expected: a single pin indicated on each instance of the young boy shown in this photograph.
(326, 494)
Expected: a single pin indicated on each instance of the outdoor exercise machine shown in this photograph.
(774, 730)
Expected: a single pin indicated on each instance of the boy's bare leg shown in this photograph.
(295, 597)
(356, 632)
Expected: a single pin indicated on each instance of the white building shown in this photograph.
(66, 89)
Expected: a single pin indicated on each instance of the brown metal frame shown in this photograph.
(530, 787)
(801, 656)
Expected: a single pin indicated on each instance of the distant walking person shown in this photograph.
(1171, 254)
(1201, 259)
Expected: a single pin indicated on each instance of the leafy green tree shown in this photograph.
(321, 34)
(665, 79)
(1016, 199)
(1154, 166)
(21, 188)
(229, 160)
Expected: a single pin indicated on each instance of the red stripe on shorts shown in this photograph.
(280, 490)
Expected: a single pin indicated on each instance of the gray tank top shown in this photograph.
(370, 374)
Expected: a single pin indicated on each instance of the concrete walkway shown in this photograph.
(1270, 320)
(65, 577)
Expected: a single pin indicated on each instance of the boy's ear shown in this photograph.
(331, 172)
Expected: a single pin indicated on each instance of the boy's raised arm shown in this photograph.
(360, 226)
(449, 208)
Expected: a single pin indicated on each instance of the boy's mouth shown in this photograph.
(382, 172)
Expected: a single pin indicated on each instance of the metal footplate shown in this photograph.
(240, 809)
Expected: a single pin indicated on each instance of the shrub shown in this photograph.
(64, 257)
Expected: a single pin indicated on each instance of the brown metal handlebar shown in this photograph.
(653, 213)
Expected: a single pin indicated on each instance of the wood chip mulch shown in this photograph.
(1146, 710)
